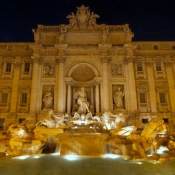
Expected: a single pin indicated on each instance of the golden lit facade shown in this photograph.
(119, 75)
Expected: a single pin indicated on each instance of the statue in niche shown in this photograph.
(48, 99)
(80, 98)
(118, 98)
(48, 70)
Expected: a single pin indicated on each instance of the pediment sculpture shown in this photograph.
(82, 19)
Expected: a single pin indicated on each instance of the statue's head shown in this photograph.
(119, 88)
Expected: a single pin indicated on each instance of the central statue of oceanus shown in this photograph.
(81, 99)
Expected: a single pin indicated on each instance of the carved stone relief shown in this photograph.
(118, 95)
(48, 71)
(82, 19)
(83, 73)
(48, 97)
(117, 70)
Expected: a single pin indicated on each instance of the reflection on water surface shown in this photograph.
(75, 165)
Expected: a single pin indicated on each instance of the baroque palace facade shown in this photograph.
(117, 74)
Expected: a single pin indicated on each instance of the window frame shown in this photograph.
(2, 103)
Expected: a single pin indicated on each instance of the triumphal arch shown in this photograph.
(82, 60)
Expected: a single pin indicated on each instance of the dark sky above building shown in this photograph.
(148, 19)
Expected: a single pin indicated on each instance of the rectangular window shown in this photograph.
(2, 121)
(139, 67)
(143, 97)
(145, 120)
(26, 68)
(166, 120)
(158, 67)
(3, 98)
(21, 120)
(162, 97)
(23, 100)
(8, 67)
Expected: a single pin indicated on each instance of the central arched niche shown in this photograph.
(82, 73)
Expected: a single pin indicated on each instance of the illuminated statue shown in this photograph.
(48, 100)
(81, 99)
(82, 19)
(72, 19)
(118, 98)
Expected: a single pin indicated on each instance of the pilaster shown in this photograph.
(171, 84)
(60, 84)
(131, 86)
(152, 88)
(35, 88)
(15, 84)
(105, 83)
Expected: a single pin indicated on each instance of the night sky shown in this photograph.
(148, 19)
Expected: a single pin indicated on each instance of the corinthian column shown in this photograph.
(171, 84)
(35, 89)
(60, 84)
(97, 98)
(152, 90)
(15, 84)
(69, 100)
(105, 84)
(132, 101)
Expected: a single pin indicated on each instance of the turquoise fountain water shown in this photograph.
(74, 165)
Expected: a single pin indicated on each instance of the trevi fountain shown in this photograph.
(82, 143)
(71, 93)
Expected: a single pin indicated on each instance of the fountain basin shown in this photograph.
(86, 144)
(69, 165)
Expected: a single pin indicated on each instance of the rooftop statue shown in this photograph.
(83, 19)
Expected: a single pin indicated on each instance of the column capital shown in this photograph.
(36, 59)
(69, 80)
(98, 80)
(106, 59)
(60, 59)
(17, 62)
(129, 59)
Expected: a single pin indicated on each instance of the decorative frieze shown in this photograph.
(48, 70)
(117, 69)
